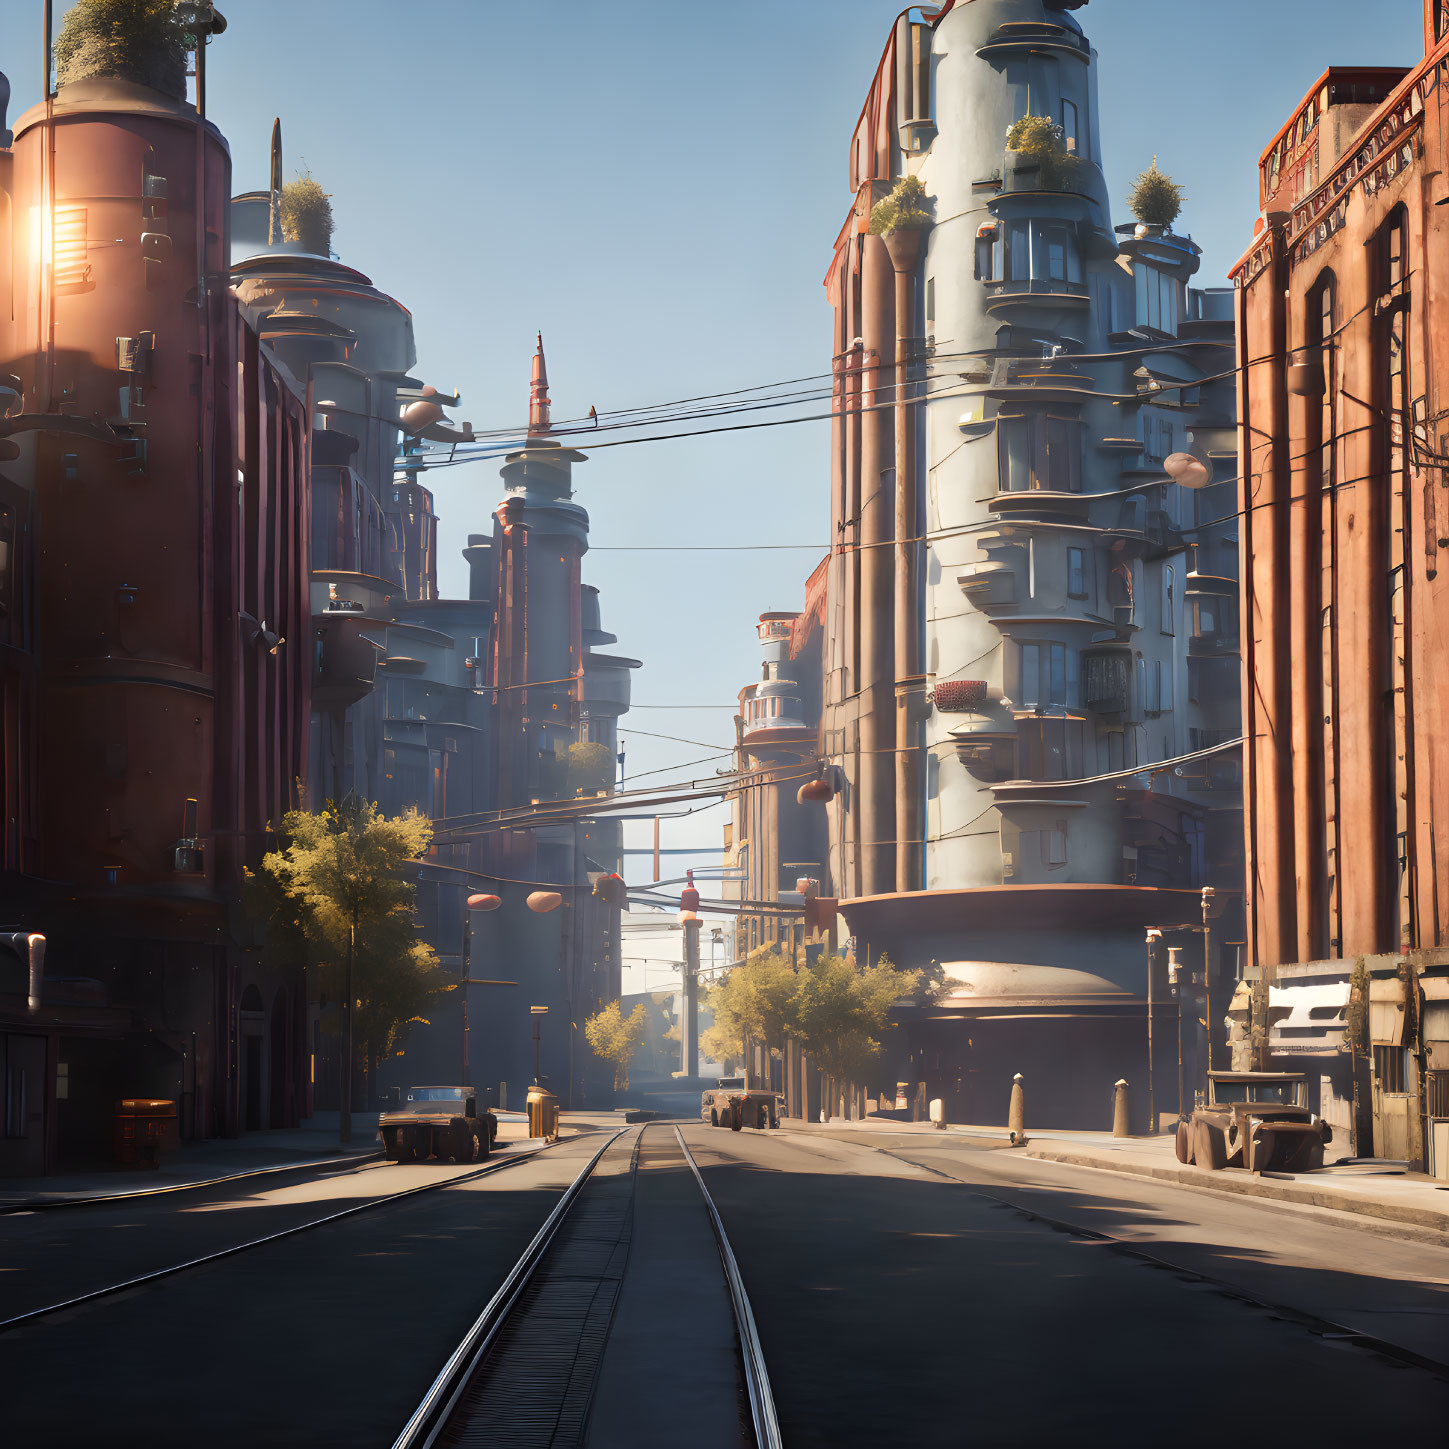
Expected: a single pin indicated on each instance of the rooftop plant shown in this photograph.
(1155, 198)
(145, 41)
(903, 209)
(1041, 139)
(306, 216)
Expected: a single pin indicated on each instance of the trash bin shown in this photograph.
(145, 1128)
(542, 1113)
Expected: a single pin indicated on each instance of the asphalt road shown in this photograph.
(909, 1291)
(52, 1256)
(900, 1306)
(329, 1338)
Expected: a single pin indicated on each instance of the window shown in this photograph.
(1029, 673)
(1169, 599)
(1389, 1068)
(1437, 1093)
(1049, 674)
(1054, 845)
(1056, 257)
(1039, 452)
(17, 1101)
(1017, 238)
(1049, 747)
(1157, 298)
(1063, 455)
(1321, 325)
(1076, 573)
(930, 301)
(988, 263)
(1069, 126)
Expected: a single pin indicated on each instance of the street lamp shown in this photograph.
(540, 903)
(1154, 946)
(475, 903)
(535, 1012)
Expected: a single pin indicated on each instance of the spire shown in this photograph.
(274, 223)
(538, 418)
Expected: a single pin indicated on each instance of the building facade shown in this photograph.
(156, 525)
(1030, 638)
(1343, 452)
(774, 838)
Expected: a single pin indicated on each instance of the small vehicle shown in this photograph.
(734, 1105)
(1256, 1120)
(437, 1122)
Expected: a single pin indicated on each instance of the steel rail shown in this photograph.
(352, 1162)
(35, 1314)
(757, 1378)
(432, 1415)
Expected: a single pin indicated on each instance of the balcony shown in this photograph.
(990, 584)
(1038, 291)
(345, 660)
(1024, 37)
(1217, 645)
(1047, 505)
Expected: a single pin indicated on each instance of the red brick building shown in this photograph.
(1343, 339)
(153, 659)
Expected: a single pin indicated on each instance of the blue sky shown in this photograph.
(657, 184)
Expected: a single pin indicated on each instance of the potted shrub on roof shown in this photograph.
(899, 218)
(1155, 199)
(305, 215)
(142, 41)
(1038, 142)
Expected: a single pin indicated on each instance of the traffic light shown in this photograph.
(611, 890)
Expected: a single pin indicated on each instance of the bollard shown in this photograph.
(1016, 1116)
(938, 1114)
(1121, 1125)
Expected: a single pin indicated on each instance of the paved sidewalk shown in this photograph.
(219, 1158)
(1370, 1188)
(198, 1162)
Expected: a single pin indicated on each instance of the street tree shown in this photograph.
(342, 884)
(755, 1002)
(842, 1008)
(615, 1037)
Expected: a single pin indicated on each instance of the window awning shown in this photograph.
(1307, 1019)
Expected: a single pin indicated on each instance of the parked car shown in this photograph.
(1256, 1120)
(437, 1122)
(734, 1105)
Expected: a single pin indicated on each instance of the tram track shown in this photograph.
(156, 1275)
(453, 1412)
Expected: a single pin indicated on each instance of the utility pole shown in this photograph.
(689, 1017)
(1178, 986)
(1207, 968)
(1154, 947)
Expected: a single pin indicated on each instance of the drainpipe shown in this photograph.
(876, 697)
(904, 248)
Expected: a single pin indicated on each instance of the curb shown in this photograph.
(1246, 1185)
(41, 1202)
